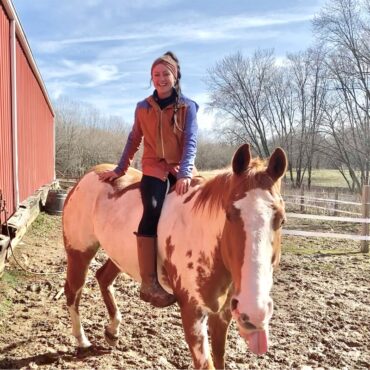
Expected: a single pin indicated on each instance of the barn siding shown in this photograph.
(6, 146)
(35, 130)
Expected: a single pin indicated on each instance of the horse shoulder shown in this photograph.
(189, 246)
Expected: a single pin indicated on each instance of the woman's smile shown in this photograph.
(163, 80)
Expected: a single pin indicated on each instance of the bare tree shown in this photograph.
(308, 77)
(282, 113)
(342, 27)
(237, 88)
(85, 138)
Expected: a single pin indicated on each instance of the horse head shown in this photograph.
(250, 243)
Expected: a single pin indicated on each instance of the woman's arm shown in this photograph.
(190, 142)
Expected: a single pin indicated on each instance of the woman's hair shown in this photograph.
(177, 83)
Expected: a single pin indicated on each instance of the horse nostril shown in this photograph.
(244, 318)
(234, 304)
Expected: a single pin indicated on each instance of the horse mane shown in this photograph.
(212, 192)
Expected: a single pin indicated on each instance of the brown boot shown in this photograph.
(151, 291)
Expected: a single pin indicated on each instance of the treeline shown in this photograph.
(315, 104)
(84, 138)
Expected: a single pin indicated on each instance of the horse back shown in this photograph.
(80, 207)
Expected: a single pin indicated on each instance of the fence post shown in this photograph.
(366, 215)
(336, 202)
(302, 198)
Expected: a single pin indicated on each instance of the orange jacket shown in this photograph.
(169, 145)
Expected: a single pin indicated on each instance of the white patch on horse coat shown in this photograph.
(256, 276)
(201, 350)
(189, 230)
(115, 322)
(77, 329)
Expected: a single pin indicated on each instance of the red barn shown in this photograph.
(26, 117)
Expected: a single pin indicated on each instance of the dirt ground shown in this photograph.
(321, 318)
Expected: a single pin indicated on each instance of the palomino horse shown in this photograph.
(217, 246)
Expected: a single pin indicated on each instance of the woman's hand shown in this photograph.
(182, 185)
(108, 176)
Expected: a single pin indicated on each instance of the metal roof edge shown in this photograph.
(12, 14)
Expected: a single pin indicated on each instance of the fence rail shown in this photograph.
(302, 203)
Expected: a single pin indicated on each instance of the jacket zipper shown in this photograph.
(161, 131)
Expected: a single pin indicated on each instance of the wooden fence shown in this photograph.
(320, 204)
(321, 207)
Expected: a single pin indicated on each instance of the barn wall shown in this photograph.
(35, 130)
(6, 146)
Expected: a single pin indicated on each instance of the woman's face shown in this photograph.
(163, 80)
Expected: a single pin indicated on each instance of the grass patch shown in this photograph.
(43, 224)
(11, 278)
(321, 177)
(330, 178)
(5, 306)
(325, 178)
(311, 247)
(296, 250)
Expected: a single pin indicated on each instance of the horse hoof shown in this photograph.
(110, 338)
(84, 351)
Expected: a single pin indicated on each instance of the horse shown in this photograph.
(218, 245)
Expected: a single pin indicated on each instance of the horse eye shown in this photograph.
(232, 214)
(229, 216)
(278, 222)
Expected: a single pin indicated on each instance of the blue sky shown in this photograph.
(100, 51)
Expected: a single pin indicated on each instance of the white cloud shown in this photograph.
(90, 75)
(210, 29)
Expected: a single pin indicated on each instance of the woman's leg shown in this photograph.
(153, 192)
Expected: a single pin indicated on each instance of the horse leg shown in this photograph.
(194, 321)
(106, 276)
(77, 266)
(218, 324)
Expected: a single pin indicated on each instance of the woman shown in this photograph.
(167, 122)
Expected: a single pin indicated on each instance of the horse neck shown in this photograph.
(210, 201)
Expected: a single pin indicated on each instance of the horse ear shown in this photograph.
(277, 165)
(241, 159)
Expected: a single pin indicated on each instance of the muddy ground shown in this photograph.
(321, 318)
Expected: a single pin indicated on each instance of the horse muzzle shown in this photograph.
(254, 328)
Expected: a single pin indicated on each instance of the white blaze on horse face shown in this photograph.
(256, 276)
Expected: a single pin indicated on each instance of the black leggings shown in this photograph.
(153, 191)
